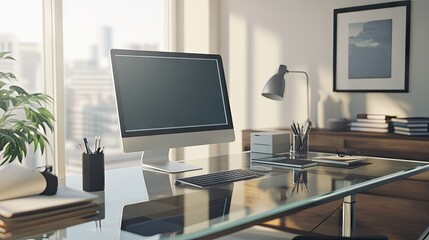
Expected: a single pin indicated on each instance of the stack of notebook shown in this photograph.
(30, 216)
(372, 123)
(411, 126)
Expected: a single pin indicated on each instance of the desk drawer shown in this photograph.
(321, 143)
(394, 148)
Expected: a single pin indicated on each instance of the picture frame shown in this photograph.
(372, 48)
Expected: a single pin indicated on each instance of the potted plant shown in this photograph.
(24, 119)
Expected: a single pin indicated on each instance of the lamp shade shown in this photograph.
(275, 87)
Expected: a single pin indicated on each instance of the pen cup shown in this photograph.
(299, 145)
(93, 172)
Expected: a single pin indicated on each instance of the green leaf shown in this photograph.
(4, 105)
(9, 76)
(2, 54)
(35, 143)
(19, 90)
(14, 101)
(9, 57)
(42, 144)
(45, 112)
(18, 130)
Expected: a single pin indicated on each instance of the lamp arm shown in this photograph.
(308, 92)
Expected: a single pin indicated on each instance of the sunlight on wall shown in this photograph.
(195, 28)
(385, 104)
(265, 49)
(295, 97)
(237, 71)
(327, 103)
(253, 59)
(255, 51)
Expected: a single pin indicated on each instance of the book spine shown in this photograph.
(412, 133)
(411, 120)
(370, 125)
(374, 116)
(410, 129)
(411, 125)
(372, 120)
(362, 115)
(366, 129)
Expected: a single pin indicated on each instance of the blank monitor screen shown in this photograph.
(170, 94)
(167, 93)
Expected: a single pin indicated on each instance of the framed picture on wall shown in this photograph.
(371, 48)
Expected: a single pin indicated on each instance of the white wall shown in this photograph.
(196, 27)
(256, 36)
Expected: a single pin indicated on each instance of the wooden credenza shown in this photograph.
(387, 145)
(397, 210)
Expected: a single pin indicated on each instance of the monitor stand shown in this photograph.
(158, 160)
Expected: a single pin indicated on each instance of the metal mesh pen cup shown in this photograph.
(299, 145)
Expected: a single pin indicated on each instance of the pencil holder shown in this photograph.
(93, 172)
(299, 145)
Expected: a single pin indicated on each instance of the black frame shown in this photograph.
(398, 82)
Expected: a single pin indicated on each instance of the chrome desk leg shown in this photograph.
(349, 210)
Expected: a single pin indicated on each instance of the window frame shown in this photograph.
(54, 79)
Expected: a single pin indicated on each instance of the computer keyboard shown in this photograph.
(212, 179)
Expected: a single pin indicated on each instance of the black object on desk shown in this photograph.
(166, 216)
(285, 162)
(93, 172)
(217, 178)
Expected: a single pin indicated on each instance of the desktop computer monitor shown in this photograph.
(167, 100)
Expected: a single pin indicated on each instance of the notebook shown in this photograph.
(285, 162)
(335, 159)
(65, 197)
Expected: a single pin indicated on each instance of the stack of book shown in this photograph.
(411, 126)
(372, 123)
(29, 217)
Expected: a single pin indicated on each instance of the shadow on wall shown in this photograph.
(332, 109)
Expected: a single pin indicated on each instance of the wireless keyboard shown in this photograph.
(212, 179)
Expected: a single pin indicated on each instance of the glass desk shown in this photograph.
(148, 203)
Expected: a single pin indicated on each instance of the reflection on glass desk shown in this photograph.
(165, 217)
(140, 202)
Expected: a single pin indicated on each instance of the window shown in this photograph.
(91, 29)
(21, 33)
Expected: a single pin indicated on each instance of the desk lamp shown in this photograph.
(275, 87)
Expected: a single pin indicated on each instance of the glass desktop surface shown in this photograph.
(149, 203)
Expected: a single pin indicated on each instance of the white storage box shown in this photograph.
(270, 142)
